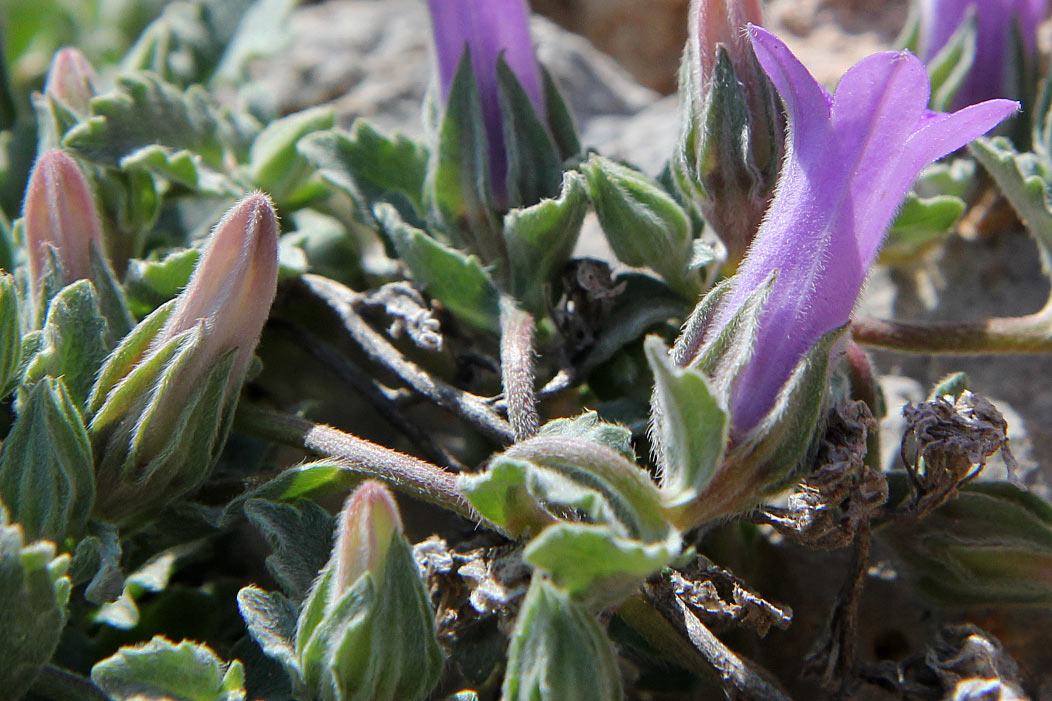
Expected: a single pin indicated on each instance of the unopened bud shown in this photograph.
(368, 522)
(162, 404)
(60, 215)
(367, 630)
(71, 80)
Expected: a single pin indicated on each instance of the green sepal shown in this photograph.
(534, 164)
(559, 118)
(10, 335)
(366, 163)
(685, 351)
(729, 351)
(145, 110)
(75, 344)
(300, 535)
(458, 192)
(160, 669)
(921, 224)
(456, 279)
(35, 590)
(54, 119)
(271, 621)
(596, 565)
(1025, 179)
(150, 283)
(644, 224)
(47, 477)
(769, 457)
(949, 68)
(112, 303)
(540, 239)
(123, 379)
(690, 426)
(376, 640)
(180, 167)
(275, 165)
(989, 546)
(558, 652)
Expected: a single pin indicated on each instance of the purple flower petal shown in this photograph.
(851, 160)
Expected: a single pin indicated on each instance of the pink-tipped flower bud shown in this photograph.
(161, 407)
(368, 522)
(71, 80)
(59, 213)
(232, 287)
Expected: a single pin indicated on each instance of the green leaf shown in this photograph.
(990, 546)
(146, 111)
(558, 652)
(47, 476)
(300, 482)
(271, 621)
(456, 279)
(1024, 179)
(186, 43)
(35, 590)
(920, 224)
(327, 248)
(366, 163)
(10, 334)
(300, 535)
(180, 167)
(162, 669)
(644, 224)
(275, 166)
(75, 342)
(541, 238)
(588, 427)
(150, 283)
(690, 425)
(953, 384)
(503, 495)
(594, 564)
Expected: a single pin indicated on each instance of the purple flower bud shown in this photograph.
(996, 20)
(368, 522)
(59, 213)
(71, 79)
(851, 158)
(487, 30)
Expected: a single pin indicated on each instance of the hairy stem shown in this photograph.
(1024, 334)
(516, 368)
(467, 406)
(403, 472)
